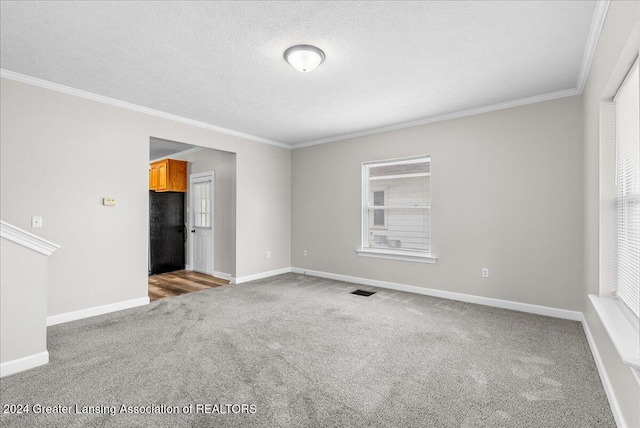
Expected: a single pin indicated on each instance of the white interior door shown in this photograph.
(202, 205)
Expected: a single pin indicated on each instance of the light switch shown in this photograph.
(36, 221)
(108, 202)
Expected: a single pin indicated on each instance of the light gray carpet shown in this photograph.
(308, 353)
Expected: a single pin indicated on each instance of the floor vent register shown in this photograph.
(364, 293)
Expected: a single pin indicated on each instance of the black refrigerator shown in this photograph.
(167, 232)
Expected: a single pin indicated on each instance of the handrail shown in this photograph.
(26, 239)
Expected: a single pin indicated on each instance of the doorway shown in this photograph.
(208, 196)
(202, 190)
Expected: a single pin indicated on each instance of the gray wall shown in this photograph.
(616, 47)
(61, 154)
(506, 194)
(224, 166)
(23, 302)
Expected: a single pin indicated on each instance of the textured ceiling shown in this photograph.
(221, 62)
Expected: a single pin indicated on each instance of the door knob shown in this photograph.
(193, 231)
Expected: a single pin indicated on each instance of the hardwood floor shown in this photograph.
(172, 284)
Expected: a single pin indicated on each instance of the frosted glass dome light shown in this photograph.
(304, 58)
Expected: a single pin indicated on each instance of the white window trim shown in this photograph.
(382, 253)
(622, 327)
(407, 256)
(620, 323)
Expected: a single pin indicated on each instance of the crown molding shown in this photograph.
(448, 116)
(129, 106)
(26, 239)
(597, 23)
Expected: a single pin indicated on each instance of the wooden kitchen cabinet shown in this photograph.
(168, 175)
(153, 177)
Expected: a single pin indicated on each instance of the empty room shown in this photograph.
(320, 214)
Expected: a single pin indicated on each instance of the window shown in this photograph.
(202, 204)
(628, 185)
(377, 217)
(396, 209)
(619, 222)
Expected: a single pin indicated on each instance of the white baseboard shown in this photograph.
(222, 275)
(24, 363)
(187, 267)
(98, 310)
(260, 275)
(606, 383)
(487, 301)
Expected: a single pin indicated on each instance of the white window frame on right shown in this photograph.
(618, 301)
(369, 206)
(628, 188)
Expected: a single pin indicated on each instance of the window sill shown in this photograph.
(406, 256)
(621, 326)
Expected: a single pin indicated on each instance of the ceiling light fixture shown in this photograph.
(304, 58)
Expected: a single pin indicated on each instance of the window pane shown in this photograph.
(196, 219)
(202, 204)
(378, 198)
(378, 217)
(407, 229)
(402, 191)
(400, 169)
